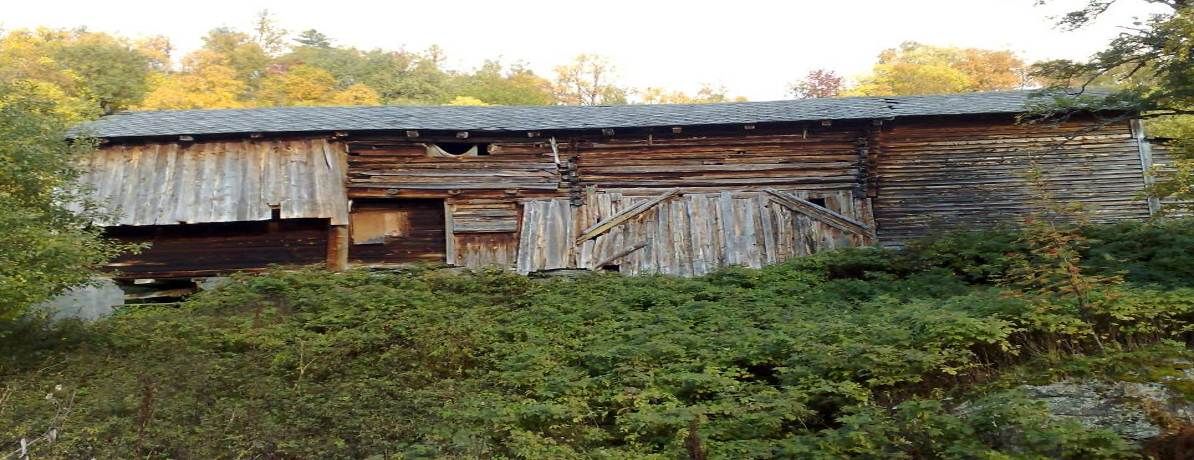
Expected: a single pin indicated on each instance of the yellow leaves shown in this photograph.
(357, 94)
(914, 68)
(309, 85)
(298, 85)
(212, 87)
(908, 79)
(466, 100)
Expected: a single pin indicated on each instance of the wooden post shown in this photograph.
(449, 235)
(337, 257)
(1146, 163)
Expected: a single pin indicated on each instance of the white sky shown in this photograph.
(754, 48)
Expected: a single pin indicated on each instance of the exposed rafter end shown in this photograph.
(412, 133)
(462, 134)
(607, 131)
(186, 138)
(677, 130)
(533, 134)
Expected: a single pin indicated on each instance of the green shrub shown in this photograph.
(819, 358)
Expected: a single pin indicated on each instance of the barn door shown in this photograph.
(397, 231)
(689, 233)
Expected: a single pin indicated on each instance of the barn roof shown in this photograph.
(541, 118)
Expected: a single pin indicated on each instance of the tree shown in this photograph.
(308, 85)
(235, 50)
(1149, 68)
(466, 101)
(268, 35)
(914, 68)
(588, 80)
(817, 83)
(706, 95)
(493, 84)
(48, 243)
(201, 85)
(313, 38)
(112, 72)
(90, 73)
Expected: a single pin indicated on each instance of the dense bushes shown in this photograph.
(840, 354)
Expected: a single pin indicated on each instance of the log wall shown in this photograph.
(936, 175)
(407, 165)
(819, 160)
(219, 248)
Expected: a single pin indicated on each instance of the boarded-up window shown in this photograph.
(373, 226)
(397, 231)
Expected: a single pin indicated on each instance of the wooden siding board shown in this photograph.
(217, 181)
(938, 177)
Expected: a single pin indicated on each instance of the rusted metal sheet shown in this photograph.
(936, 175)
(219, 181)
(689, 235)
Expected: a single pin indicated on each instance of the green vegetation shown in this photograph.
(48, 243)
(858, 353)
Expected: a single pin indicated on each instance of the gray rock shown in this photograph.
(1129, 409)
(211, 282)
(1097, 404)
(89, 302)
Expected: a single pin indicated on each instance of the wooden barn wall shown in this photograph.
(219, 181)
(406, 165)
(935, 175)
(690, 234)
(820, 160)
(516, 207)
(219, 248)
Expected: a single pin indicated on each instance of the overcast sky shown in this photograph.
(753, 48)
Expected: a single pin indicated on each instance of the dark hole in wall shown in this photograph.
(461, 148)
(818, 201)
(611, 268)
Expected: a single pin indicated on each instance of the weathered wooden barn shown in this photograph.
(678, 189)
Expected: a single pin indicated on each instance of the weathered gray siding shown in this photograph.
(936, 175)
(688, 234)
(220, 181)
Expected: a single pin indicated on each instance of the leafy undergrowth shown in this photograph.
(857, 353)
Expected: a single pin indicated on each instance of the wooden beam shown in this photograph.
(618, 219)
(337, 258)
(821, 214)
(620, 254)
